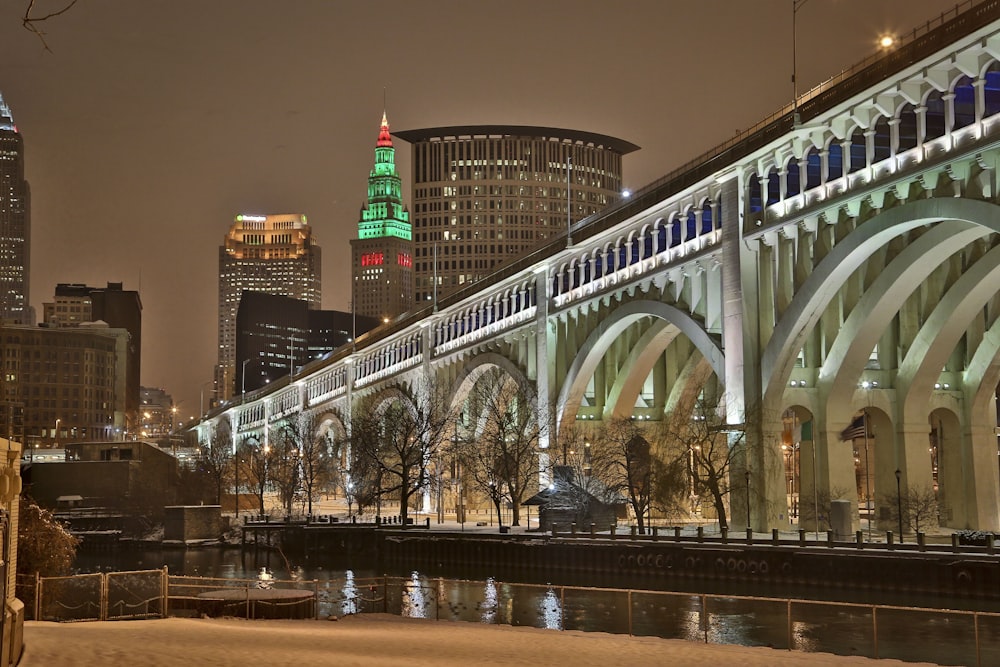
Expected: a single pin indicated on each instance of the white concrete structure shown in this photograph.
(782, 271)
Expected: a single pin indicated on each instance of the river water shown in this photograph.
(943, 637)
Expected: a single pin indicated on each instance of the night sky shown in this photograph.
(152, 123)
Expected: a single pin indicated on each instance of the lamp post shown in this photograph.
(243, 381)
(899, 505)
(569, 200)
(201, 405)
(868, 386)
(796, 6)
(747, 475)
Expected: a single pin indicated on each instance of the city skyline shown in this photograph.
(146, 132)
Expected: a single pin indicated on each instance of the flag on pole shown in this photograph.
(857, 429)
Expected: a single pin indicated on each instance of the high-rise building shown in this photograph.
(68, 381)
(15, 224)
(485, 193)
(382, 255)
(276, 336)
(274, 254)
(75, 304)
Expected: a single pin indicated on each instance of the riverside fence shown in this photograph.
(875, 631)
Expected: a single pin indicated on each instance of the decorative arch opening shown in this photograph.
(754, 193)
(934, 116)
(991, 91)
(835, 160)
(907, 128)
(882, 140)
(814, 169)
(858, 151)
(964, 103)
(773, 187)
(793, 185)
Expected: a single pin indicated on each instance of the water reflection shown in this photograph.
(551, 610)
(349, 594)
(414, 597)
(809, 626)
(490, 602)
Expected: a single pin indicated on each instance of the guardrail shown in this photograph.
(873, 630)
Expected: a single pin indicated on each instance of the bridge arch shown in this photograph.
(830, 275)
(459, 390)
(597, 342)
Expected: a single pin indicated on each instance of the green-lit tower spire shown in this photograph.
(384, 214)
(382, 253)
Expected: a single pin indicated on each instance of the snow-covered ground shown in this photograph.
(375, 639)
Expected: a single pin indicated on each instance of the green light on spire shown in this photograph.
(384, 213)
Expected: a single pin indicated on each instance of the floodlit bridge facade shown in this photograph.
(840, 259)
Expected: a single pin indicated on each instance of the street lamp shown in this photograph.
(796, 6)
(201, 405)
(243, 381)
(868, 386)
(747, 475)
(569, 201)
(899, 505)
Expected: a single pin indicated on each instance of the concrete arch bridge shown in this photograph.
(838, 263)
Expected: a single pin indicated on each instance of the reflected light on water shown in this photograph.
(490, 601)
(551, 610)
(414, 604)
(350, 594)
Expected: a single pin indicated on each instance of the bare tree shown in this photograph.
(500, 451)
(816, 506)
(217, 461)
(253, 460)
(399, 436)
(301, 460)
(624, 459)
(284, 463)
(918, 504)
(713, 450)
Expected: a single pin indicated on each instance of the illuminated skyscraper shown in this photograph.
(382, 264)
(485, 193)
(273, 254)
(15, 224)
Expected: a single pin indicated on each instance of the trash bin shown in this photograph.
(840, 520)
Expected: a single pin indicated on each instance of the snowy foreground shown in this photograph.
(374, 639)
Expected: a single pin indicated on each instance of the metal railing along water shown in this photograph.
(842, 628)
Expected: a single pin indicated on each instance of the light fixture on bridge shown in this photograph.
(886, 42)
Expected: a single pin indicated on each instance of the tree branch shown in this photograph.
(30, 23)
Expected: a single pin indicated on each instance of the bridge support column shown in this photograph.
(980, 493)
(916, 480)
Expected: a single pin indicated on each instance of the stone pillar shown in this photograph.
(540, 368)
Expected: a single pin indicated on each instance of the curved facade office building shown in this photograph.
(485, 193)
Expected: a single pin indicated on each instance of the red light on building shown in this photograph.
(404, 259)
(372, 259)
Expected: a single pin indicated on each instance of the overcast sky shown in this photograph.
(152, 123)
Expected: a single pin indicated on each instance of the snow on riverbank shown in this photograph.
(375, 639)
